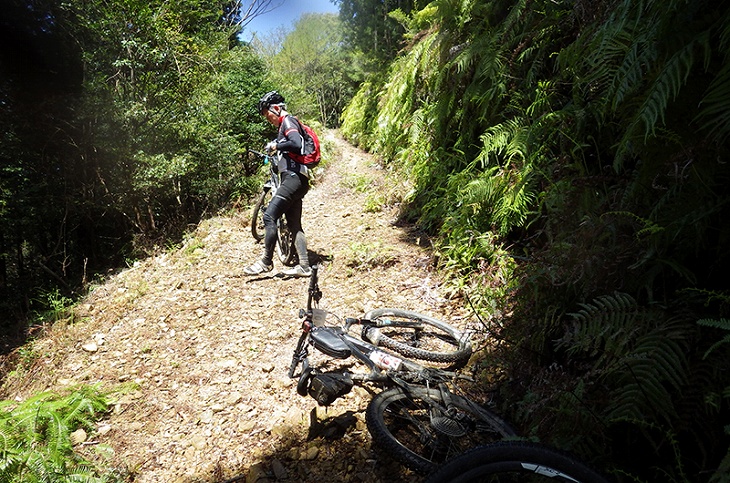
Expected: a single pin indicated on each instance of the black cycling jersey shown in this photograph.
(290, 140)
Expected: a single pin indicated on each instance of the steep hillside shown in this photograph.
(203, 350)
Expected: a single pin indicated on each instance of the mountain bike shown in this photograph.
(515, 461)
(418, 417)
(285, 238)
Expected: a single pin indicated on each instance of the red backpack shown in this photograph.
(310, 154)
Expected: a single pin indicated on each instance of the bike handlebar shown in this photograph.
(265, 156)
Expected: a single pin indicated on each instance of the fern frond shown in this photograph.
(723, 324)
(667, 84)
(505, 139)
(35, 436)
(716, 323)
(596, 324)
(627, 79)
(640, 395)
(637, 353)
(714, 111)
(499, 199)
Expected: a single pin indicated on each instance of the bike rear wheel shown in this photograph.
(515, 461)
(434, 341)
(407, 426)
(257, 219)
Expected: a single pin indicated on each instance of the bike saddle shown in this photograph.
(328, 341)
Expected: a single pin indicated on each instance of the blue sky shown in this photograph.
(286, 15)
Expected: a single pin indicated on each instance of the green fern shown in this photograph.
(630, 72)
(639, 354)
(716, 323)
(715, 107)
(664, 88)
(723, 324)
(35, 437)
(723, 472)
(498, 198)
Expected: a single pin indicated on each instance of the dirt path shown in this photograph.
(203, 350)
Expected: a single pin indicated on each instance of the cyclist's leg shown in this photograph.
(276, 208)
(294, 218)
(290, 192)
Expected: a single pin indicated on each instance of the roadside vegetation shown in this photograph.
(570, 159)
(39, 435)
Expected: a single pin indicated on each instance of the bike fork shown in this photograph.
(300, 354)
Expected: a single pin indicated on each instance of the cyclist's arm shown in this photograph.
(290, 139)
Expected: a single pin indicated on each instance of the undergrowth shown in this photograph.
(38, 438)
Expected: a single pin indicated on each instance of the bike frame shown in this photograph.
(336, 342)
(273, 182)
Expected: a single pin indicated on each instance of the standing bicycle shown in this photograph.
(284, 240)
(294, 185)
(419, 418)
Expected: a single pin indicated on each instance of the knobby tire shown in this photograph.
(437, 342)
(257, 218)
(400, 423)
(285, 244)
(515, 461)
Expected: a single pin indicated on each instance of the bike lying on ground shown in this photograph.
(515, 461)
(418, 418)
(285, 238)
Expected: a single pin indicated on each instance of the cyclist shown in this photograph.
(294, 185)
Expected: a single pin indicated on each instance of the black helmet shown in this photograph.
(269, 99)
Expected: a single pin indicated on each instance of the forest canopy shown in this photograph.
(123, 122)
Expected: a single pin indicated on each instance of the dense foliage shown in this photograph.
(374, 28)
(39, 435)
(123, 122)
(571, 157)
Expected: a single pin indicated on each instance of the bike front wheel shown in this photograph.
(285, 245)
(418, 336)
(515, 461)
(415, 426)
(257, 219)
